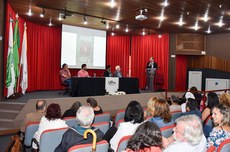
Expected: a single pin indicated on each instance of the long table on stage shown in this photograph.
(96, 86)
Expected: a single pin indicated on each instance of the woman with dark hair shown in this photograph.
(134, 116)
(213, 100)
(147, 138)
(93, 103)
(72, 111)
(51, 120)
(161, 114)
(221, 120)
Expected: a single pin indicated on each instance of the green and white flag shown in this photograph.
(10, 74)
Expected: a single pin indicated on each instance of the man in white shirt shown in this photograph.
(187, 137)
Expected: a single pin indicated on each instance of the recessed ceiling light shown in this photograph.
(30, 12)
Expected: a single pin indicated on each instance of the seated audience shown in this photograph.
(74, 136)
(225, 99)
(117, 72)
(83, 72)
(134, 116)
(51, 120)
(191, 108)
(161, 114)
(107, 72)
(150, 107)
(187, 137)
(187, 95)
(93, 103)
(147, 138)
(197, 96)
(175, 104)
(221, 120)
(65, 75)
(213, 100)
(34, 116)
(72, 111)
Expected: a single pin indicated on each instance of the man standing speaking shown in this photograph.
(151, 68)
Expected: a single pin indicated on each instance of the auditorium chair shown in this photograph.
(119, 122)
(211, 149)
(208, 121)
(120, 115)
(224, 146)
(65, 87)
(167, 131)
(50, 139)
(104, 117)
(70, 121)
(103, 126)
(175, 114)
(101, 146)
(31, 128)
(123, 143)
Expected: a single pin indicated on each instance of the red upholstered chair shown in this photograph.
(70, 121)
(103, 126)
(104, 117)
(120, 115)
(167, 130)
(31, 128)
(211, 149)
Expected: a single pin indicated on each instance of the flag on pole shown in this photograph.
(10, 74)
(24, 80)
(15, 49)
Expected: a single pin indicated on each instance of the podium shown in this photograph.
(150, 74)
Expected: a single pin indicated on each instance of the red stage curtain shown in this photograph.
(143, 47)
(118, 50)
(181, 72)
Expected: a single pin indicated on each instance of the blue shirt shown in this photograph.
(193, 112)
(160, 122)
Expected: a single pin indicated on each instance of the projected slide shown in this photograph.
(82, 45)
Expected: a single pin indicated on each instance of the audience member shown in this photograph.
(221, 120)
(161, 114)
(192, 108)
(187, 137)
(83, 72)
(35, 116)
(74, 136)
(134, 116)
(65, 75)
(187, 95)
(147, 138)
(93, 103)
(150, 107)
(213, 100)
(225, 99)
(107, 72)
(71, 112)
(175, 104)
(197, 96)
(117, 72)
(51, 120)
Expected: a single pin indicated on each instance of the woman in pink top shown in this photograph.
(83, 72)
(147, 138)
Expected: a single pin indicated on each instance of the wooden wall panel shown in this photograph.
(209, 62)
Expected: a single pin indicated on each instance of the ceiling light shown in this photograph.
(220, 23)
(85, 21)
(117, 26)
(180, 23)
(60, 17)
(50, 23)
(159, 36)
(196, 27)
(43, 13)
(143, 33)
(209, 30)
(205, 18)
(220, 6)
(107, 25)
(188, 13)
(29, 13)
(112, 34)
(165, 3)
(127, 29)
(112, 4)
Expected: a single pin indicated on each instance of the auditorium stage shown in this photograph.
(108, 103)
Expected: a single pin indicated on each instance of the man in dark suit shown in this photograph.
(151, 68)
(108, 72)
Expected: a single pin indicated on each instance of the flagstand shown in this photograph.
(15, 96)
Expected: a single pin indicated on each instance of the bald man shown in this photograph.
(35, 116)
